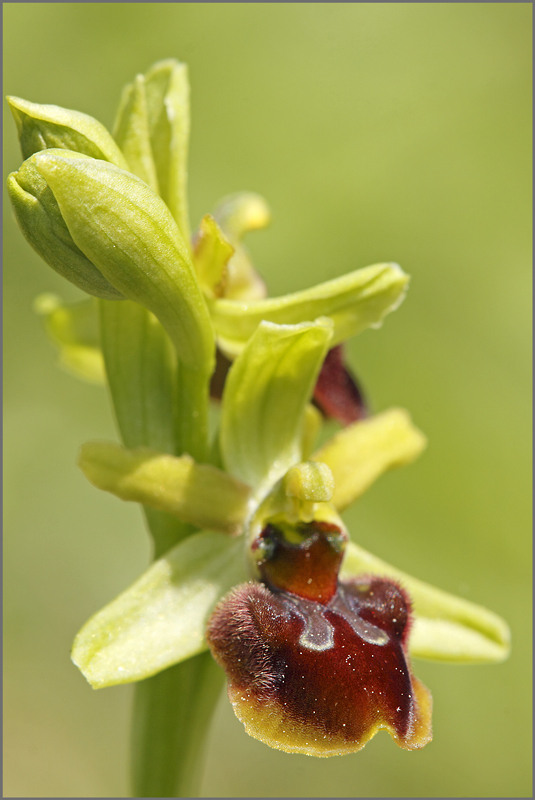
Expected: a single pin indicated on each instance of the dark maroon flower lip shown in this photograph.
(318, 670)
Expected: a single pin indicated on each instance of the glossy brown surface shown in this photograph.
(307, 567)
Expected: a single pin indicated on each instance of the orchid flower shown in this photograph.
(278, 548)
(253, 560)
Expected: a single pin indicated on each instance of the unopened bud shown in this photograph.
(41, 127)
(41, 221)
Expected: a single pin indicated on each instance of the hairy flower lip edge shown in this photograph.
(252, 719)
(264, 704)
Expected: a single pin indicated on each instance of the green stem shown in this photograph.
(141, 373)
(162, 404)
(172, 713)
(191, 413)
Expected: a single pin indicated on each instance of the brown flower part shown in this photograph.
(315, 668)
(337, 393)
(219, 376)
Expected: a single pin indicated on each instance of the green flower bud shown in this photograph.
(128, 233)
(40, 220)
(45, 126)
(152, 129)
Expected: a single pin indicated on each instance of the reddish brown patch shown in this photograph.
(337, 393)
(308, 568)
(217, 382)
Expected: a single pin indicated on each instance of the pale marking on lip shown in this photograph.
(318, 632)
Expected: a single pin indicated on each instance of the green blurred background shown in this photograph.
(388, 131)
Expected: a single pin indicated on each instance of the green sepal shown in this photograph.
(46, 126)
(196, 493)
(211, 255)
(73, 329)
(264, 401)
(237, 215)
(131, 132)
(40, 220)
(354, 302)
(445, 627)
(167, 96)
(161, 619)
(126, 230)
(359, 454)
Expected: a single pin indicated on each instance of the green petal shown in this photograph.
(131, 132)
(211, 256)
(196, 493)
(354, 302)
(360, 453)
(126, 230)
(73, 328)
(45, 126)
(161, 619)
(445, 628)
(237, 215)
(167, 93)
(266, 393)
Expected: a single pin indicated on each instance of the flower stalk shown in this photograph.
(171, 718)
